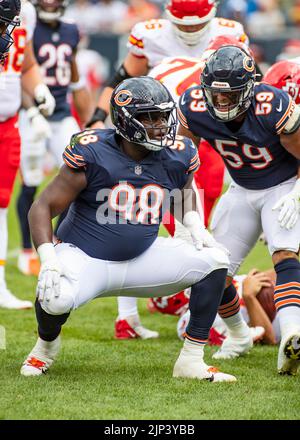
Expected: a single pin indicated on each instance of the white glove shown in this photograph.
(289, 206)
(45, 100)
(200, 235)
(40, 125)
(50, 272)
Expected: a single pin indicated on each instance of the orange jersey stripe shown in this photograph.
(287, 301)
(285, 286)
(287, 293)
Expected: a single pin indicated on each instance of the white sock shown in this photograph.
(193, 349)
(237, 326)
(3, 245)
(47, 348)
(289, 319)
(127, 306)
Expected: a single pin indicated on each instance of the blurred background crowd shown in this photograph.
(272, 25)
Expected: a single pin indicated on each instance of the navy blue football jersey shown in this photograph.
(54, 48)
(253, 154)
(117, 216)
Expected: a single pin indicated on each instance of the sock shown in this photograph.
(24, 203)
(60, 220)
(49, 326)
(204, 301)
(229, 310)
(127, 306)
(287, 294)
(3, 245)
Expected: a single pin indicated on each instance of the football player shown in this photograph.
(117, 181)
(189, 27)
(55, 43)
(20, 70)
(255, 128)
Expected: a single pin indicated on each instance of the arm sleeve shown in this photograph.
(76, 155)
(193, 162)
(135, 42)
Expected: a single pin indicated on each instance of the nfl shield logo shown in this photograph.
(138, 170)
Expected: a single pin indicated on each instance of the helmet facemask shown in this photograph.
(6, 40)
(142, 127)
(227, 108)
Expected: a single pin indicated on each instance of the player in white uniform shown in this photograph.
(187, 31)
(20, 71)
(55, 42)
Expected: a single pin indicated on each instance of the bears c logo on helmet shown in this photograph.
(123, 97)
(248, 64)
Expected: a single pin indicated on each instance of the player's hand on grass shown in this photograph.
(289, 206)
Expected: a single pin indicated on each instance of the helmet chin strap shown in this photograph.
(190, 38)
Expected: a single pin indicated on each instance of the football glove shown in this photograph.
(200, 235)
(40, 126)
(50, 272)
(46, 102)
(289, 206)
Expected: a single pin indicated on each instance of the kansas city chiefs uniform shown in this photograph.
(156, 39)
(10, 85)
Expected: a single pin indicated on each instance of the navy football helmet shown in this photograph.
(228, 82)
(138, 99)
(50, 11)
(9, 19)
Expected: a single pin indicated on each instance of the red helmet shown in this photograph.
(285, 75)
(190, 12)
(223, 40)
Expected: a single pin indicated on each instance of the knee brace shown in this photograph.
(59, 306)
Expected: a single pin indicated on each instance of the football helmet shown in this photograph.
(9, 19)
(227, 81)
(191, 13)
(285, 75)
(50, 11)
(135, 99)
(223, 40)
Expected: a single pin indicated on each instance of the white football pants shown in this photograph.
(167, 267)
(242, 214)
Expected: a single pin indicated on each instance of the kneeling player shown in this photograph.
(118, 182)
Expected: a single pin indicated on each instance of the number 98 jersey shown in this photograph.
(252, 154)
(54, 48)
(117, 216)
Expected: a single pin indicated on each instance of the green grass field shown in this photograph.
(96, 377)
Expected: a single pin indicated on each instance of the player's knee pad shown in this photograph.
(217, 258)
(59, 306)
(5, 195)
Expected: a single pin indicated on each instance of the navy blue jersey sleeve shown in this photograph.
(190, 107)
(273, 107)
(193, 162)
(79, 154)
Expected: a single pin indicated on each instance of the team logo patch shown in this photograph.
(123, 97)
(248, 64)
(138, 170)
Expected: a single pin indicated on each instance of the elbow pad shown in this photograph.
(119, 76)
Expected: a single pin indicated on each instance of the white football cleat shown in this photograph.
(29, 263)
(234, 347)
(289, 353)
(40, 358)
(191, 367)
(9, 301)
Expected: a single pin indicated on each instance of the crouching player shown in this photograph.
(116, 180)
